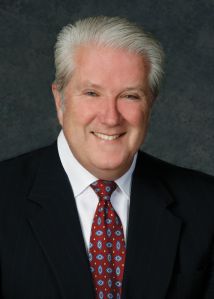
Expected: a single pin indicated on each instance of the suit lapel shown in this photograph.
(153, 235)
(55, 223)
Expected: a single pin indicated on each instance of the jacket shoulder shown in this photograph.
(169, 171)
(181, 182)
(19, 171)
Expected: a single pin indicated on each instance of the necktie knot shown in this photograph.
(104, 188)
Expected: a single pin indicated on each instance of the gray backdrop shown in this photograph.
(182, 123)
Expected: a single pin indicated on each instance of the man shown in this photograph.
(91, 216)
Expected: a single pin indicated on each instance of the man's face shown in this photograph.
(106, 109)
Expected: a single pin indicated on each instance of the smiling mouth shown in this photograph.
(107, 137)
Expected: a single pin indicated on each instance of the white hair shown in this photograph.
(114, 32)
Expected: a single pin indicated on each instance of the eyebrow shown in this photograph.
(89, 84)
(138, 88)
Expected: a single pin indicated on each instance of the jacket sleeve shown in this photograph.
(209, 293)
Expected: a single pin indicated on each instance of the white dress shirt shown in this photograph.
(85, 197)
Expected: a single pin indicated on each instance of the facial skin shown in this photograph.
(107, 105)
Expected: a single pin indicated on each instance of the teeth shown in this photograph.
(106, 137)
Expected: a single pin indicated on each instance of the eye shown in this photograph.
(131, 97)
(91, 94)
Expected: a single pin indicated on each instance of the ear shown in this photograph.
(58, 103)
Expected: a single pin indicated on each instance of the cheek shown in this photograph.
(135, 115)
(78, 112)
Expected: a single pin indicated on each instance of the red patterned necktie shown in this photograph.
(107, 245)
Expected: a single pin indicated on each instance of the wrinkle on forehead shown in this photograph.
(105, 61)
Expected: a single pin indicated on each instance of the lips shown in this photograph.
(107, 137)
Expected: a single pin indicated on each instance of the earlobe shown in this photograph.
(58, 103)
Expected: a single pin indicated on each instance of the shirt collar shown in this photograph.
(124, 182)
(79, 177)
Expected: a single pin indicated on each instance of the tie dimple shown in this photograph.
(107, 245)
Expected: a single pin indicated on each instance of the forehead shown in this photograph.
(105, 63)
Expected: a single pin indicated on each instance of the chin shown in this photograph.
(111, 163)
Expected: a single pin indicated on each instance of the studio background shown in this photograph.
(182, 123)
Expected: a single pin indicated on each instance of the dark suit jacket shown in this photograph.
(170, 233)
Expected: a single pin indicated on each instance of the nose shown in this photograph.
(109, 113)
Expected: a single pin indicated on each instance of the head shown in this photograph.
(108, 73)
